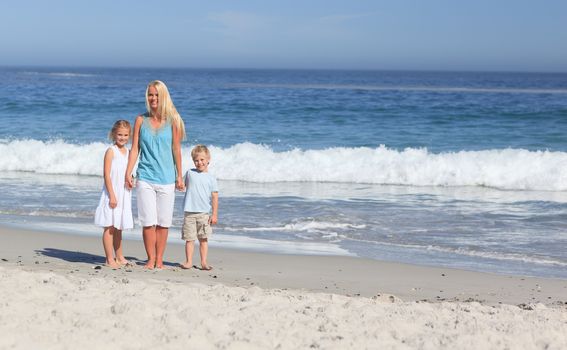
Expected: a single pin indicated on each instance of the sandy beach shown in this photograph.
(56, 294)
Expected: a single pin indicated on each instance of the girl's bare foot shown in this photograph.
(112, 264)
(122, 261)
(206, 267)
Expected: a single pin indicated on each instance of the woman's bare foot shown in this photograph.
(150, 265)
(159, 264)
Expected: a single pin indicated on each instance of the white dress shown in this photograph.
(121, 216)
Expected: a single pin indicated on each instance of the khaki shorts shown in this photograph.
(196, 225)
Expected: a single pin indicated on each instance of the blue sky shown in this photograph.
(502, 35)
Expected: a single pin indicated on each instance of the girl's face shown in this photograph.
(153, 98)
(121, 136)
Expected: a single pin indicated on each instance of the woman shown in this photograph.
(157, 142)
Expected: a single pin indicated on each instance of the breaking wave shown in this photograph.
(508, 169)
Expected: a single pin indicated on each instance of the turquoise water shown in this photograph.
(454, 169)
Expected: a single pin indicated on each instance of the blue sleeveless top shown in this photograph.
(156, 165)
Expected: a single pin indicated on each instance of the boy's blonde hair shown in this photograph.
(200, 149)
(166, 108)
(119, 124)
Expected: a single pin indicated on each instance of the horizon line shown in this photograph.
(286, 69)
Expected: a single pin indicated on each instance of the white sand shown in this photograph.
(49, 310)
(59, 301)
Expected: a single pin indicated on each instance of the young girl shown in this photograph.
(114, 211)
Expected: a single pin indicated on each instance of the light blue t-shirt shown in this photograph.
(199, 188)
(156, 164)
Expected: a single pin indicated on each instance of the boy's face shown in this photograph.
(201, 161)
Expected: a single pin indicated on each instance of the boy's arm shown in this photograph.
(215, 204)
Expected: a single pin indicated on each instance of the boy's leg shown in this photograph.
(204, 250)
(107, 243)
(188, 234)
(117, 242)
(189, 248)
(149, 234)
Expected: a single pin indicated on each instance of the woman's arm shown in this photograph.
(134, 152)
(176, 149)
(108, 155)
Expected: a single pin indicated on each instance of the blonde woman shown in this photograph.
(156, 141)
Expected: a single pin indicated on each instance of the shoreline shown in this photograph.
(57, 295)
(350, 276)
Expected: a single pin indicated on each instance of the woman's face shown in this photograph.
(153, 98)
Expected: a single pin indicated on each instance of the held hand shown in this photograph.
(213, 219)
(128, 182)
(180, 184)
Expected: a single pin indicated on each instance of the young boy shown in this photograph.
(200, 207)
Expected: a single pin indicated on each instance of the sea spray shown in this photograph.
(507, 169)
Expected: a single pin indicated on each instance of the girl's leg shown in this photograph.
(204, 250)
(161, 242)
(117, 242)
(107, 238)
(149, 234)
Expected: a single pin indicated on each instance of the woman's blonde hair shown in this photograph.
(166, 108)
(119, 124)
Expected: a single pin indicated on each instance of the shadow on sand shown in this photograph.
(82, 257)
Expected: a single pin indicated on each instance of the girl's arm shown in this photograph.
(107, 181)
(176, 148)
(215, 204)
(134, 152)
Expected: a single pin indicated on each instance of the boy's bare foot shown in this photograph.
(206, 267)
(186, 266)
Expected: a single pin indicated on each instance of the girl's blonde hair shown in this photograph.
(119, 124)
(166, 108)
(200, 149)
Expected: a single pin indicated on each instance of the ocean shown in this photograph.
(455, 169)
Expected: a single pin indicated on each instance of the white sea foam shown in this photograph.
(54, 157)
(306, 229)
(310, 226)
(487, 254)
(60, 74)
(509, 169)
